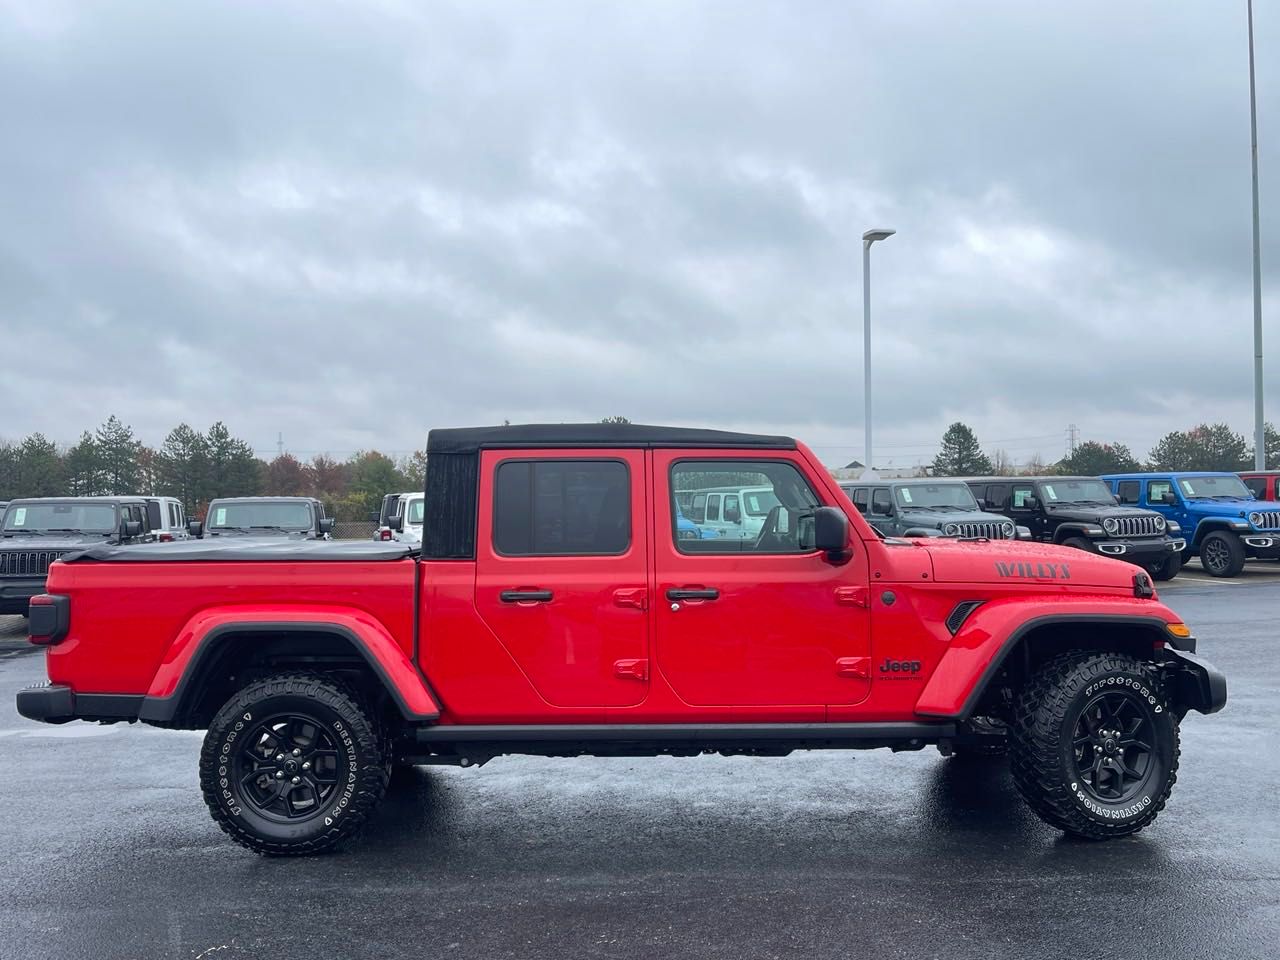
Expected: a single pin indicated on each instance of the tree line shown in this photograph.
(1207, 446)
(196, 467)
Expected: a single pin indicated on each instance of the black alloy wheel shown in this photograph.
(1112, 745)
(287, 767)
(1222, 554)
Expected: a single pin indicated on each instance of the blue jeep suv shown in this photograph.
(1220, 518)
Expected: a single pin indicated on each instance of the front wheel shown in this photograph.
(1222, 554)
(1167, 568)
(1093, 746)
(293, 764)
(1078, 543)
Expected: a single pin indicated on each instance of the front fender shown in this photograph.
(995, 629)
(200, 636)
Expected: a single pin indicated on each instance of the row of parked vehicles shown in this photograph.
(37, 531)
(1154, 520)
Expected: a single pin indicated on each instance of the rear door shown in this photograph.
(562, 571)
(760, 621)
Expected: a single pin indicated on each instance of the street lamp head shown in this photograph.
(871, 236)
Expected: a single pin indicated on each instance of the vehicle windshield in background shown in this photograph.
(949, 496)
(1078, 491)
(416, 510)
(260, 516)
(60, 517)
(758, 503)
(1215, 488)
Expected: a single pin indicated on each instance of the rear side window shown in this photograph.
(545, 508)
(713, 507)
(997, 496)
(1127, 491)
(1258, 485)
(860, 499)
(154, 517)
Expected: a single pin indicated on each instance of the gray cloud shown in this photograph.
(349, 223)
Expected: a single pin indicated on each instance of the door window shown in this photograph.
(1258, 485)
(561, 507)
(881, 503)
(1156, 491)
(774, 510)
(1021, 494)
(1127, 491)
(997, 496)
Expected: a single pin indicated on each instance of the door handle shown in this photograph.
(525, 596)
(693, 593)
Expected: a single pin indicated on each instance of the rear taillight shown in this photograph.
(166, 538)
(384, 534)
(48, 619)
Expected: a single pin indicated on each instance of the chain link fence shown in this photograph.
(354, 530)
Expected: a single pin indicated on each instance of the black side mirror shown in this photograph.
(732, 515)
(1170, 498)
(982, 503)
(396, 523)
(1030, 503)
(195, 528)
(130, 529)
(326, 525)
(881, 509)
(831, 533)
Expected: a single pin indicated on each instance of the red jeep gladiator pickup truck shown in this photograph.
(556, 607)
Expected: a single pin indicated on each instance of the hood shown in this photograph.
(1011, 561)
(55, 541)
(1227, 508)
(940, 518)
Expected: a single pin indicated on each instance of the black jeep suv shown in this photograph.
(36, 532)
(1081, 512)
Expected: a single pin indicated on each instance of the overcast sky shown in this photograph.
(348, 223)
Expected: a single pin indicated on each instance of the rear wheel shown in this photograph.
(1167, 568)
(1094, 745)
(1222, 554)
(293, 764)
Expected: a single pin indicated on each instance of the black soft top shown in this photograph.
(246, 549)
(466, 440)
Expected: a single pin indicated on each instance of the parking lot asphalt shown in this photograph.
(108, 851)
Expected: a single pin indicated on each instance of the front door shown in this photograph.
(562, 571)
(758, 621)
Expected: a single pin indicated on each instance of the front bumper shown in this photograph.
(16, 594)
(1138, 550)
(1196, 684)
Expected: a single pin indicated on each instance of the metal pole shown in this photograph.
(1259, 432)
(866, 345)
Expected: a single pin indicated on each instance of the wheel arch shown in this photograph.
(973, 682)
(213, 663)
(1211, 525)
(1070, 529)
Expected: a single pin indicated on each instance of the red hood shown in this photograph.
(979, 561)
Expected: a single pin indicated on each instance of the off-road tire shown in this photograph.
(1168, 568)
(1078, 543)
(360, 766)
(1043, 743)
(1221, 554)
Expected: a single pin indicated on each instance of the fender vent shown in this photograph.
(957, 617)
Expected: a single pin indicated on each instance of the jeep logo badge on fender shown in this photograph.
(901, 666)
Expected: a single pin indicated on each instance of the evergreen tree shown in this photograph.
(234, 471)
(39, 468)
(373, 475)
(182, 467)
(1092, 458)
(1204, 447)
(8, 471)
(960, 455)
(118, 456)
(84, 472)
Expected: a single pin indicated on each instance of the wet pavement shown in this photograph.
(108, 851)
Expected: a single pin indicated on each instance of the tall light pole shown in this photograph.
(868, 238)
(1259, 433)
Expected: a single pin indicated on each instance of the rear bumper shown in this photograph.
(15, 595)
(55, 703)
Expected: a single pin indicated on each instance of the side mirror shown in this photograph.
(881, 509)
(1170, 498)
(982, 503)
(326, 525)
(396, 523)
(195, 528)
(1030, 503)
(130, 529)
(831, 533)
(733, 516)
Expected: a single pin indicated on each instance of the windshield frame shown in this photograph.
(913, 504)
(261, 522)
(1192, 494)
(17, 510)
(1108, 499)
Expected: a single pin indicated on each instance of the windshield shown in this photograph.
(255, 515)
(929, 496)
(1078, 491)
(758, 503)
(60, 517)
(1229, 487)
(416, 509)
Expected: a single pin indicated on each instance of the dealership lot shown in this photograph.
(109, 851)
